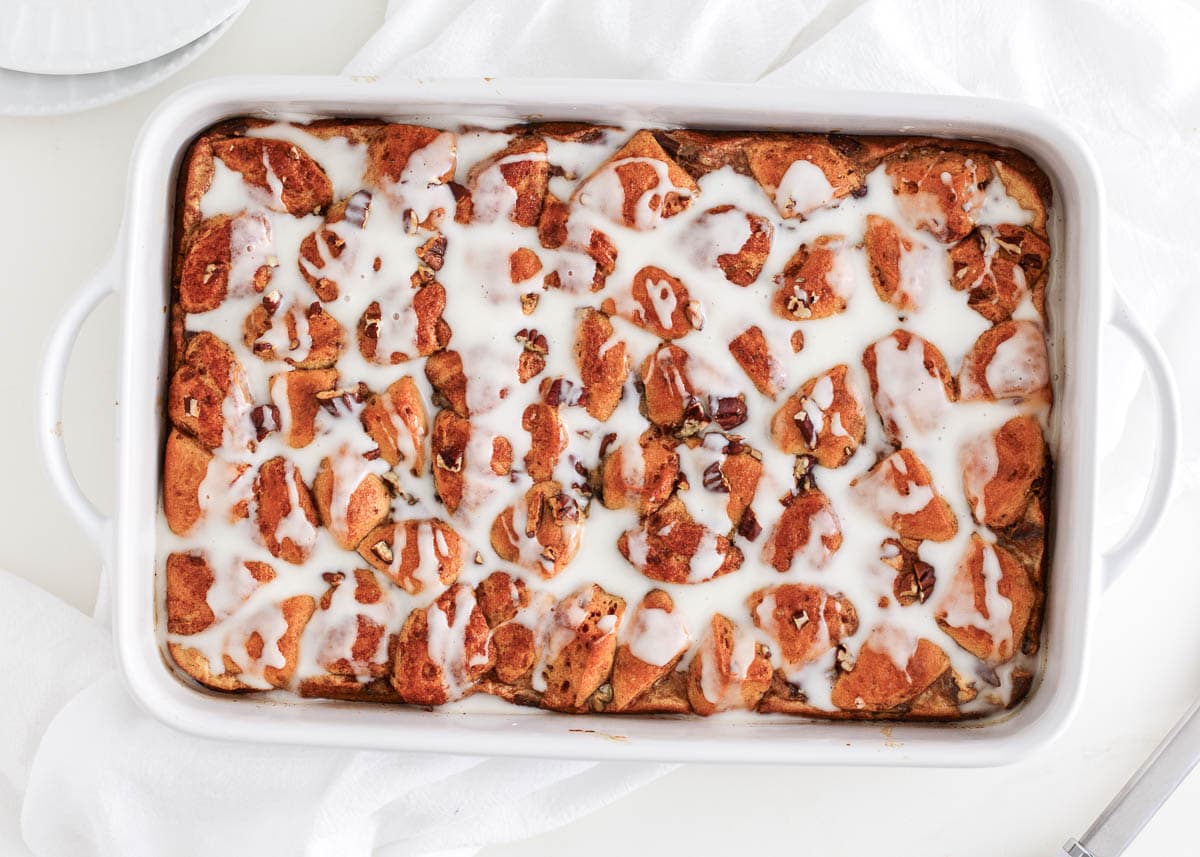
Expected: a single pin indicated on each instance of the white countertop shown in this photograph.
(64, 185)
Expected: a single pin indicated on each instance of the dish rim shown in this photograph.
(1083, 295)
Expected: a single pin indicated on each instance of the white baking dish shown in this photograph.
(1083, 303)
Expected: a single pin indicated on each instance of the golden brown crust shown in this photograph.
(998, 266)
(199, 387)
(753, 354)
(885, 245)
(877, 684)
(937, 190)
(603, 366)
(185, 465)
(451, 435)
(415, 554)
(736, 685)
(419, 676)
(367, 504)
(888, 489)
(282, 171)
(632, 677)
(585, 627)
(302, 392)
(770, 159)
(403, 444)
(668, 390)
(295, 611)
(805, 621)
(999, 471)
(672, 547)
(542, 533)
(522, 170)
(967, 599)
(895, 405)
(808, 526)
(796, 432)
(280, 494)
(640, 180)
(813, 283)
(1023, 376)
(645, 484)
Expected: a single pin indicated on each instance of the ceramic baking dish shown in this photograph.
(1083, 303)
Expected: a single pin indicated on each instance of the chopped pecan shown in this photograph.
(728, 412)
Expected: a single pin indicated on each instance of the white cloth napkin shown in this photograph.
(89, 774)
(100, 777)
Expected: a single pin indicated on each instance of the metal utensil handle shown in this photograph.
(1146, 791)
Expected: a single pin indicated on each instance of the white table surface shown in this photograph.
(63, 182)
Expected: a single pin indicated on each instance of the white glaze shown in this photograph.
(484, 313)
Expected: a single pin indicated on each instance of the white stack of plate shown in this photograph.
(62, 56)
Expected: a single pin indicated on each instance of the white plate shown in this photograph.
(23, 94)
(89, 36)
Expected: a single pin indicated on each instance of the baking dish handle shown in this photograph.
(54, 371)
(1170, 440)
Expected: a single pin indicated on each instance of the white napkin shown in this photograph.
(100, 777)
(94, 776)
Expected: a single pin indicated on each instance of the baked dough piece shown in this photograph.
(580, 644)
(227, 254)
(196, 399)
(661, 304)
(998, 266)
(808, 531)
(285, 176)
(753, 353)
(802, 172)
(411, 164)
(258, 650)
(442, 650)
(324, 254)
(185, 466)
(405, 324)
(640, 472)
(511, 184)
(910, 383)
(416, 554)
(602, 361)
(300, 395)
(805, 621)
(638, 186)
(671, 547)
(891, 670)
(816, 282)
(824, 419)
(304, 336)
(396, 420)
(190, 578)
(1008, 361)
(728, 670)
(900, 491)
(518, 618)
(939, 191)
(357, 639)
(736, 241)
(653, 643)
(284, 511)
(987, 606)
(1000, 469)
(350, 499)
(902, 268)
(542, 533)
